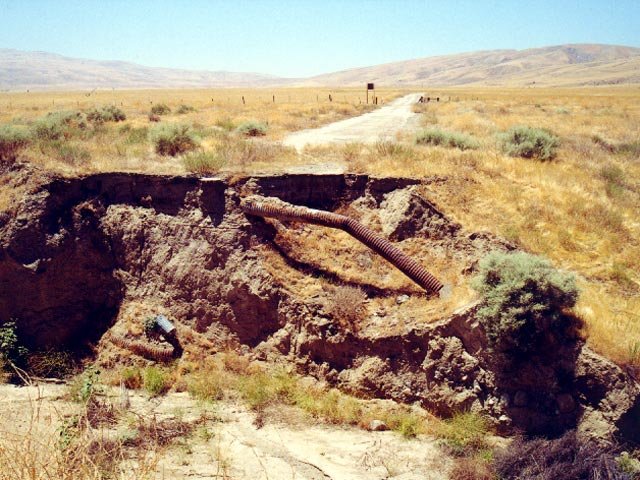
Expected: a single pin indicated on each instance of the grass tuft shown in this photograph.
(446, 139)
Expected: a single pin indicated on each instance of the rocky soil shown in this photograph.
(84, 260)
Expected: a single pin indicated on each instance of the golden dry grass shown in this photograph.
(567, 209)
(580, 210)
(109, 148)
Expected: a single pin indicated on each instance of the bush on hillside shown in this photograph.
(173, 139)
(525, 299)
(12, 140)
(446, 139)
(528, 142)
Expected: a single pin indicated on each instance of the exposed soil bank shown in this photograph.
(80, 257)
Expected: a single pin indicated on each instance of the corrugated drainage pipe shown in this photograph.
(276, 208)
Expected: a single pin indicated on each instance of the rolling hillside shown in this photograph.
(563, 65)
(42, 70)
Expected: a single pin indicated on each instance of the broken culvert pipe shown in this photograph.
(276, 208)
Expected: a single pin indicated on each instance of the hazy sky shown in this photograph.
(302, 38)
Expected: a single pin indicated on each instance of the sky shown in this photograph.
(304, 38)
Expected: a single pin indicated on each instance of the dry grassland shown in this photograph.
(215, 116)
(581, 209)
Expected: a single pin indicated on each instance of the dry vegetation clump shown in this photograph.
(346, 305)
(252, 128)
(569, 457)
(446, 139)
(202, 162)
(109, 113)
(527, 142)
(160, 109)
(12, 140)
(173, 139)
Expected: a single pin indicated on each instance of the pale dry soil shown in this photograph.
(381, 124)
(233, 446)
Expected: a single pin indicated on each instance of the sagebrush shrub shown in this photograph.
(108, 113)
(12, 141)
(160, 109)
(59, 125)
(524, 300)
(528, 142)
(203, 162)
(252, 129)
(173, 139)
(446, 139)
(182, 109)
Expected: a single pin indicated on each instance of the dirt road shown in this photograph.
(380, 124)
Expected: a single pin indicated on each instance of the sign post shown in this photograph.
(370, 86)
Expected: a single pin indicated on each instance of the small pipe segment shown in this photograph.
(276, 208)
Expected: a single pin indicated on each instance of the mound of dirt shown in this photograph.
(83, 256)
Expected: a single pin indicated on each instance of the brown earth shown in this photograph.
(86, 259)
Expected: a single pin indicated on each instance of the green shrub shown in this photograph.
(59, 125)
(528, 142)
(464, 434)
(11, 350)
(108, 113)
(160, 109)
(84, 386)
(252, 128)
(155, 381)
(12, 140)
(182, 109)
(524, 300)
(173, 139)
(446, 139)
(203, 162)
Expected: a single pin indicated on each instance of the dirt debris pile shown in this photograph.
(83, 256)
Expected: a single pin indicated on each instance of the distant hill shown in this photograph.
(562, 65)
(42, 70)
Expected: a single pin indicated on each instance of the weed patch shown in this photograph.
(446, 139)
